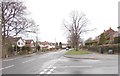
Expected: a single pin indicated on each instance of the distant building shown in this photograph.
(64, 45)
(47, 45)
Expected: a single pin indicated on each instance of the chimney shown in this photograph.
(110, 28)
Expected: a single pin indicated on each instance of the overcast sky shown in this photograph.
(49, 15)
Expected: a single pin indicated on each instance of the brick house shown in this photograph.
(109, 35)
(46, 45)
(30, 43)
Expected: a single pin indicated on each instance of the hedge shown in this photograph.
(114, 47)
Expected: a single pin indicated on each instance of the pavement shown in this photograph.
(90, 56)
(24, 55)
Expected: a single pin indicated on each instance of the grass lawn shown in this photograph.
(80, 52)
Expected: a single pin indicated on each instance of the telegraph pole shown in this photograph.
(36, 31)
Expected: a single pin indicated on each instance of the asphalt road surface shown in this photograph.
(56, 63)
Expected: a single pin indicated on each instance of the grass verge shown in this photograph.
(79, 52)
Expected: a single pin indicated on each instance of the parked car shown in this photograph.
(67, 48)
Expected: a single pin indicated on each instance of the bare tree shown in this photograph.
(14, 19)
(76, 27)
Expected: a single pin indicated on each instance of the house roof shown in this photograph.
(44, 43)
(16, 39)
(110, 32)
(12, 40)
(28, 41)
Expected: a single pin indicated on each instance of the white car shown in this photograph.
(67, 48)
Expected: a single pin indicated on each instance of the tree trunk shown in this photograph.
(76, 48)
(4, 49)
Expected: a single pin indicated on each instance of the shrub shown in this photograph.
(27, 48)
(117, 40)
(114, 47)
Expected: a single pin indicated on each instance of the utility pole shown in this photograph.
(36, 31)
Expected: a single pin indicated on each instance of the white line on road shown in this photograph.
(28, 60)
(43, 71)
(78, 66)
(11, 59)
(48, 72)
(50, 68)
(54, 67)
(7, 67)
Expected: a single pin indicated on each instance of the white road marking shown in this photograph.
(54, 67)
(45, 70)
(7, 67)
(77, 66)
(28, 60)
(51, 69)
(10, 59)
(49, 72)
(50, 66)
(41, 73)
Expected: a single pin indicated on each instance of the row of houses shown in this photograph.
(109, 36)
(19, 42)
(31, 43)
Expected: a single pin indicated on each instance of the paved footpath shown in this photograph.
(92, 56)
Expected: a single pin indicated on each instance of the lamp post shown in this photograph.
(13, 48)
(36, 28)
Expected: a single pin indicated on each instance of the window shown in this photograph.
(18, 43)
(21, 43)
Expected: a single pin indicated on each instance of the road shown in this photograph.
(56, 63)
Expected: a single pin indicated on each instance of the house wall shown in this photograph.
(22, 43)
(31, 45)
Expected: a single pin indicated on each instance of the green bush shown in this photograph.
(117, 40)
(26, 48)
(114, 47)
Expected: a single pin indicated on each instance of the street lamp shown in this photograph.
(13, 48)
